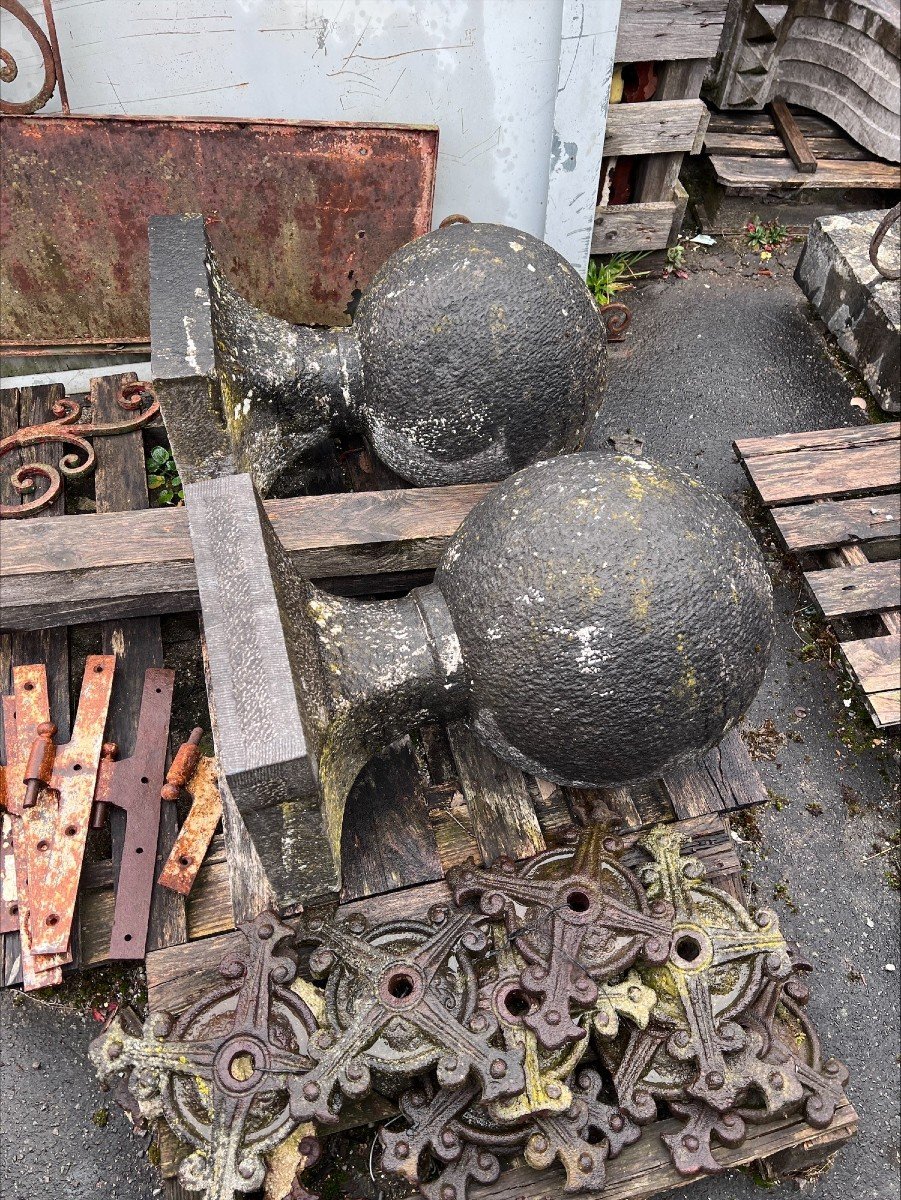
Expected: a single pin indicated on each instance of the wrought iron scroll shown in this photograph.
(67, 431)
(49, 49)
(890, 218)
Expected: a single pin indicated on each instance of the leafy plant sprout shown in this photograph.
(163, 480)
(605, 279)
(765, 238)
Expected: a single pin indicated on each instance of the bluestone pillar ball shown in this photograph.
(481, 350)
(615, 618)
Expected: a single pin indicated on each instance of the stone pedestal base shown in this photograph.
(860, 307)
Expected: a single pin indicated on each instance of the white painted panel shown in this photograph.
(489, 73)
(588, 35)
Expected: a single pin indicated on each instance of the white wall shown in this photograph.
(518, 88)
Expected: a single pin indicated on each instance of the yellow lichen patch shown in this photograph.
(641, 601)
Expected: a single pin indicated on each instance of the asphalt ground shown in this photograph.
(726, 353)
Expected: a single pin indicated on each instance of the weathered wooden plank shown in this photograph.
(725, 780)
(792, 137)
(812, 474)
(875, 661)
(842, 591)
(839, 522)
(666, 29)
(503, 816)
(885, 708)
(658, 175)
(645, 1169)
(387, 841)
(818, 439)
(621, 228)
(104, 566)
(767, 145)
(811, 123)
(178, 975)
(659, 126)
(744, 176)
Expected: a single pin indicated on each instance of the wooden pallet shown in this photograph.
(834, 496)
(749, 157)
(680, 37)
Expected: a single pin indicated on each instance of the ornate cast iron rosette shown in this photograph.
(476, 1019)
(65, 430)
(226, 1074)
(577, 917)
(400, 998)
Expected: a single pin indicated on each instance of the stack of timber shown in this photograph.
(749, 157)
(834, 498)
(679, 37)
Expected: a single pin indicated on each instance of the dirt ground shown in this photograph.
(730, 351)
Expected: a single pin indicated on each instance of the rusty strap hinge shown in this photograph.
(133, 785)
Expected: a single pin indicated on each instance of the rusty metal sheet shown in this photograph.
(300, 214)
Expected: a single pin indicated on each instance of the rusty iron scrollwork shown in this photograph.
(617, 317)
(49, 50)
(66, 430)
(891, 218)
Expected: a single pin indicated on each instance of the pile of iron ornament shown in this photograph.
(546, 1014)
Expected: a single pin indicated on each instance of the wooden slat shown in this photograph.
(842, 591)
(839, 522)
(105, 566)
(792, 137)
(818, 439)
(621, 228)
(747, 175)
(875, 661)
(179, 975)
(767, 145)
(812, 474)
(666, 29)
(886, 708)
(811, 123)
(658, 175)
(653, 127)
(502, 812)
(725, 780)
(387, 841)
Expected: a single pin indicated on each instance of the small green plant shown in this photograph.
(765, 238)
(675, 262)
(162, 479)
(605, 279)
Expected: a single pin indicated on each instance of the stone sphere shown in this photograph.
(614, 616)
(481, 351)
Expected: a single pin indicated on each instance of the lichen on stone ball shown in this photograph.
(614, 615)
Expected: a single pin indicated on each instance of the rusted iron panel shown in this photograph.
(301, 215)
(56, 848)
(23, 711)
(133, 784)
(195, 836)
